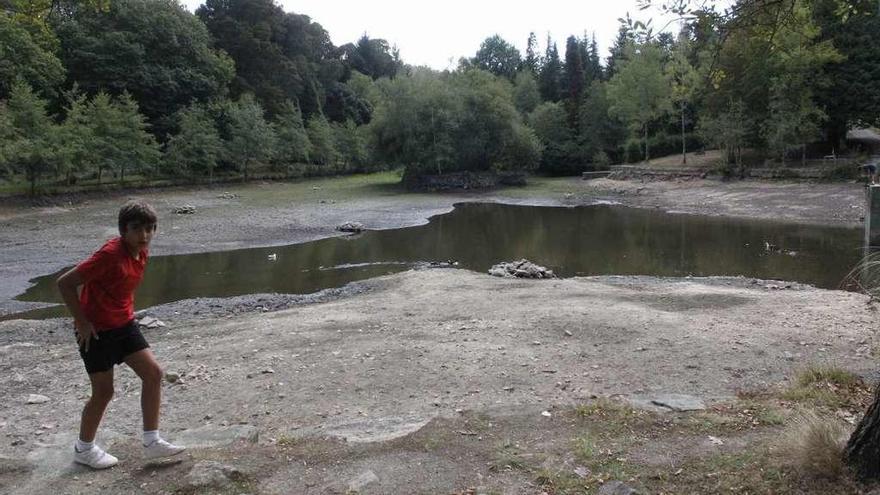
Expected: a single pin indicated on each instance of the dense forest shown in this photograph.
(96, 91)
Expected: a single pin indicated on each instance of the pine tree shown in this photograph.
(551, 72)
(573, 79)
(29, 144)
(531, 61)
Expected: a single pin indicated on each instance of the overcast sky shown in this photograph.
(437, 33)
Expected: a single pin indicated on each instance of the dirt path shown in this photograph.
(428, 375)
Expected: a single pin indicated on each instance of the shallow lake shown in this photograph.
(592, 240)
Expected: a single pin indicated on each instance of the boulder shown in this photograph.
(520, 269)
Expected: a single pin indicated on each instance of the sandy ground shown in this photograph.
(411, 354)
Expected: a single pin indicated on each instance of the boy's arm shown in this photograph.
(67, 286)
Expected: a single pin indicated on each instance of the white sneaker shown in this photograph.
(160, 448)
(94, 458)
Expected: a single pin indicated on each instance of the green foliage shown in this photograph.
(525, 92)
(599, 130)
(153, 49)
(21, 56)
(372, 57)
(117, 137)
(30, 138)
(460, 122)
(252, 138)
(550, 75)
(322, 139)
(293, 145)
(639, 92)
(197, 148)
(351, 146)
(498, 57)
(279, 57)
(573, 79)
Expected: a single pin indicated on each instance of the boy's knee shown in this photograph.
(154, 374)
(102, 394)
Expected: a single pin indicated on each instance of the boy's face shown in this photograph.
(137, 236)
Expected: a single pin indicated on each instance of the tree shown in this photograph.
(550, 74)
(323, 150)
(153, 49)
(22, 57)
(625, 37)
(29, 145)
(279, 57)
(531, 62)
(293, 140)
(728, 131)
(351, 146)
(372, 57)
(591, 63)
(498, 57)
(550, 123)
(685, 81)
(197, 147)
(640, 92)
(573, 77)
(525, 92)
(252, 138)
(599, 130)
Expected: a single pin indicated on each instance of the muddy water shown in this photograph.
(595, 240)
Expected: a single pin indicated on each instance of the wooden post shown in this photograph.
(872, 217)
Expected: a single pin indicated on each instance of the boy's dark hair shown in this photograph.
(138, 212)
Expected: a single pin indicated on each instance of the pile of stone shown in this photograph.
(354, 227)
(520, 269)
(228, 195)
(184, 210)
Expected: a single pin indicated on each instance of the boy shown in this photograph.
(107, 334)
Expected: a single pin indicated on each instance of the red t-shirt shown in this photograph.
(111, 275)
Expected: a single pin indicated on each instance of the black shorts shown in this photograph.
(112, 347)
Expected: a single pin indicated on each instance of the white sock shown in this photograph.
(150, 437)
(84, 446)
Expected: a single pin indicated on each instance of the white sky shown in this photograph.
(437, 33)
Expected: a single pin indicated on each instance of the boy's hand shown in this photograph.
(84, 333)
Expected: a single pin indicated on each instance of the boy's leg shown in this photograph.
(102, 392)
(147, 368)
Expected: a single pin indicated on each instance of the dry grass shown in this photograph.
(813, 445)
(829, 387)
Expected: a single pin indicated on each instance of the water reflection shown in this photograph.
(594, 240)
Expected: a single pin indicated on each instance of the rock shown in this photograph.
(217, 436)
(37, 399)
(362, 480)
(546, 414)
(616, 488)
(213, 474)
(354, 227)
(582, 472)
(150, 322)
(227, 195)
(520, 269)
(679, 402)
(184, 210)
(172, 377)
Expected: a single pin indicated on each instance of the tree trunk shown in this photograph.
(862, 452)
(245, 169)
(647, 151)
(122, 174)
(804, 154)
(684, 155)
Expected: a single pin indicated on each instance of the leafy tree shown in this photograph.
(551, 73)
(118, 136)
(29, 144)
(525, 92)
(550, 123)
(252, 138)
(351, 146)
(197, 147)
(685, 82)
(153, 49)
(852, 95)
(372, 57)
(728, 130)
(75, 154)
(447, 123)
(278, 56)
(498, 57)
(343, 104)
(22, 57)
(293, 139)
(599, 130)
(640, 92)
(321, 137)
